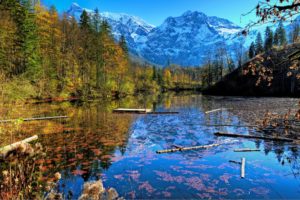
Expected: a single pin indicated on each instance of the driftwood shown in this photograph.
(33, 119)
(282, 139)
(246, 150)
(132, 110)
(231, 125)
(215, 110)
(243, 167)
(236, 162)
(11, 147)
(187, 148)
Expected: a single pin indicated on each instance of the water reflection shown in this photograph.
(120, 149)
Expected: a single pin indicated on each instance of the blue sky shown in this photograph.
(156, 11)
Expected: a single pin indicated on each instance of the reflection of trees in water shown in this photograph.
(87, 141)
(286, 154)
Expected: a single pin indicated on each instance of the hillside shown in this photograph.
(283, 80)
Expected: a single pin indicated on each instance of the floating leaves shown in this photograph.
(78, 172)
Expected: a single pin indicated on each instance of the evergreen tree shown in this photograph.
(281, 34)
(123, 44)
(295, 32)
(251, 52)
(96, 21)
(85, 21)
(258, 44)
(268, 39)
(276, 38)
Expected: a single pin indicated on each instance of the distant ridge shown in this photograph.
(185, 40)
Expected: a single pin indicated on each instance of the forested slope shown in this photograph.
(273, 73)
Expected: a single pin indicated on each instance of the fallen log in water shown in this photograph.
(132, 110)
(33, 119)
(11, 147)
(243, 167)
(143, 111)
(231, 125)
(245, 150)
(235, 162)
(215, 110)
(282, 139)
(187, 148)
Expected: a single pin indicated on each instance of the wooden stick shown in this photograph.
(236, 162)
(132, 110)
(229, 125)
(216, 110)
(255, 137)
(33, 119)
(243, 167)
(187, 148)
(8, 148)
(246, 150)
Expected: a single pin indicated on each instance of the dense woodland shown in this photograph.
(46, 55)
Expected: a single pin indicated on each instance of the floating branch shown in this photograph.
(33, 119)
(229, 125)
(254, 137)
(216, 110)
(235, 162)
(143, 111)
(132, 110)
(243, 163)
(246, 150)
(11, 147)
(187, 148)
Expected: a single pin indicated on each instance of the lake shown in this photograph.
(94, 143)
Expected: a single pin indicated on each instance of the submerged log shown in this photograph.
(33, 119)
(231, 125)
(215, 110)
(243, 163)
(132, 110)
(282, 139)
(187, 148)
(235, 162)
(11, 147)
(246, 150)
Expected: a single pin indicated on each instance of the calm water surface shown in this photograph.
(121, 149)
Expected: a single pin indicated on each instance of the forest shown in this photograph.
(45, 55)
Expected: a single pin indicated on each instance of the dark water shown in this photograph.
(121, 149)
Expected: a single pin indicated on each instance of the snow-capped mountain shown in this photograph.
(184, 40)
(133, 28)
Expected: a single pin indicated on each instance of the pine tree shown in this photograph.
(123, 44)
(258, 44)
(268, 39)
(281, 34)
(85, 21)
(251, 52)
(96, 21)
(276, 39)
(295, 32)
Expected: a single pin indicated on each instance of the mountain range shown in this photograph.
(185, 40)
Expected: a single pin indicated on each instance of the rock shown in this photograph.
(92, 191)
(112, 194)
(54, 196)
